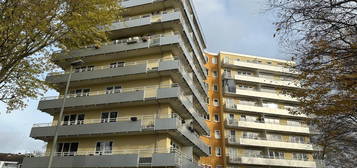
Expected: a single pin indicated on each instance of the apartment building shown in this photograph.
(258, 130)
(137, 101)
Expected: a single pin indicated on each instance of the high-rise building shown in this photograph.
(142, 100)
(253, 121)
(137, 101)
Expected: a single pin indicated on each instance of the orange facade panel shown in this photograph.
(214, 121)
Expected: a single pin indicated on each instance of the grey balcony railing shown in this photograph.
(234, 140)
(263, 79)
(150, 157)
(234, 122)
(148, 121)
(238, 159)
(266, 67)
(273, 94)
(151, 92)
(191, 19)
(189, 79)
(151, 64)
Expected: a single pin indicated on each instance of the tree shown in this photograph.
(321, 36)
(31, 30)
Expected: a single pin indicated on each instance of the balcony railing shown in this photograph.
(260, 159)
(148, 121)
(152, 63)
(261, 125)
(272, 143)
(150, 91)
(145, 155)
(261, 94)
(235, 122)
(269, 81)
(257, 65)
(262, 109)
(236, 140)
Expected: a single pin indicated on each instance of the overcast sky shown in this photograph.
(228, 25)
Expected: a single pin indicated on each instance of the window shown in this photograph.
(215, 87)
(215, 102)
(206, 117)
(80, 92)
(294, 123)
(270, 105)
(217, 134)
(274, 137)
(250, 135)
(73, 119)
(109, 117)
(253, 153)
(300, 156)
(214, 60)
(84, 69)
(103, 148)
(249, 118)
(117, 64)
(67, 149)
(215, 74)
(276, 155)
(245, 87)
(232, 136)
(113, 89)
(231, 116)
(297, 139)
(227, 73)
(216, 117)
(245, 73)
(218, 151)
(271, 120)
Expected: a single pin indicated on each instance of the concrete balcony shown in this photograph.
(260, 94)
(154, 44)
(270, 144)
(130, 70)
(271, 162)
(250, 125)
(170, 94)
(264, 110)
(131, 26)
(125, 45)
(120, 126)
(141, 25)
(144, 5)
(123, 159)
(256, 66)
(260, 80)
(134, 70)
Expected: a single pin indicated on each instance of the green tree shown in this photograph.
(31, 30)
(321, 36)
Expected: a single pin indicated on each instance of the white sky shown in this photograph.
(228, 25)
